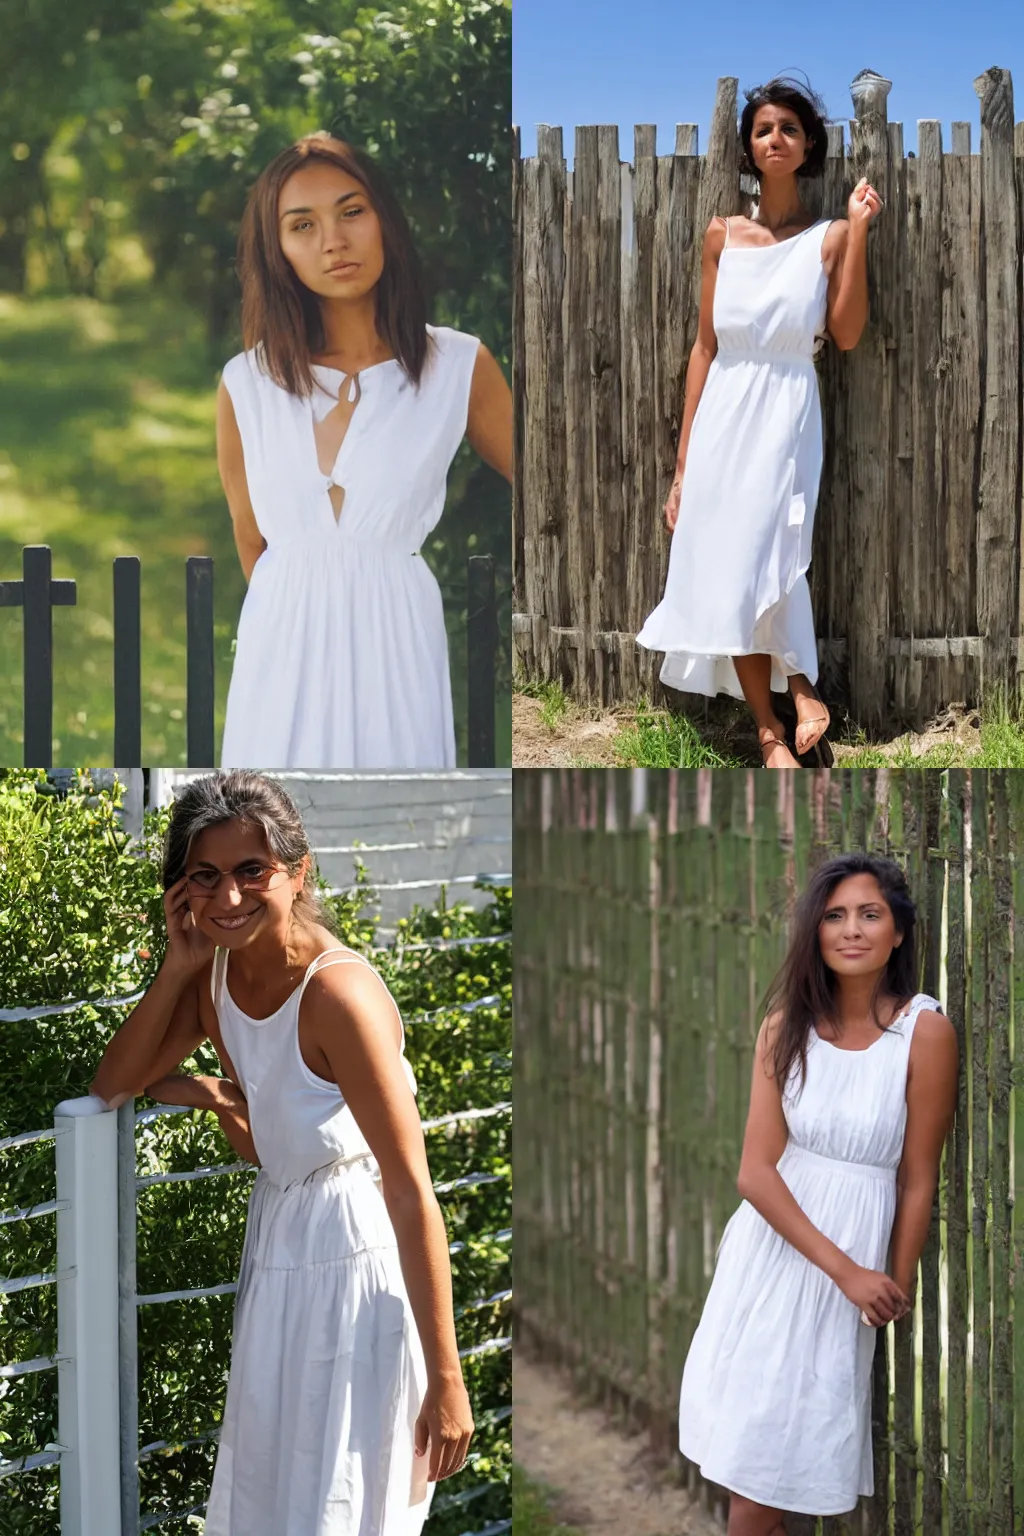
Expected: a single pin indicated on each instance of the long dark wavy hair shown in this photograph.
(804, 991)
(281, 314)
(250, 797)
(785, 91)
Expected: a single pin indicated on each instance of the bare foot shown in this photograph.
(812, 716)
(774, 751)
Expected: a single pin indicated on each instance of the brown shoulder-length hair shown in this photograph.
(282, 315)
(804, 990)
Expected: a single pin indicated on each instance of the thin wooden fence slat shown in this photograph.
(981, 1333)
(481, 654)
(1000, 1520)
(956, 1157)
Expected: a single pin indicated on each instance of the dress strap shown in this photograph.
(726, 232)
(214, 978)
(346, 957)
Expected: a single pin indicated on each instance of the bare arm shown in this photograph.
(931, 1103)
(845, 254)
(489, 423)
(354, 1022)
(219, 1095)
(249, 542)
(702, 355)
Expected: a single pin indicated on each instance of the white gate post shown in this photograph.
(87, 1318)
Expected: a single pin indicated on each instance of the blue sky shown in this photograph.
(578, 62)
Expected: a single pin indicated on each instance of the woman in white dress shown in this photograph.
(345, 1400)
(854, 1090)
(336, 428)
(736, 615)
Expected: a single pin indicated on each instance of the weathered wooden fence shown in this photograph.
(917, 540)
(37, 594)
(651, 916)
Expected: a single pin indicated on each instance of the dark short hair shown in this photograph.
(784, 91)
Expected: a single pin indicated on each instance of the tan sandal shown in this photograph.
(771, 741)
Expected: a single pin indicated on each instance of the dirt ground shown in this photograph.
(587, 739)
(605, 1481)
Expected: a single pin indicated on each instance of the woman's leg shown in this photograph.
(749, 1519)
(755, 675)
(811, 713)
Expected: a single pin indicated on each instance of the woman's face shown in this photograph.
(325, 217)
(778, 143)
(857, 933)
(237, 890)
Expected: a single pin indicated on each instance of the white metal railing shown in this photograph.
(98, 1448)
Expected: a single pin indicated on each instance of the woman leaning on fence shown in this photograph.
(853, 1093)
(346, 1398)
(336, 428)
(736, 615)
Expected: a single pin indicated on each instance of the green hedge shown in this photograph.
(81, 918)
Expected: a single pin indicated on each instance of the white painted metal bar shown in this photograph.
(26, 1282)
(87, 1318)
(29, 1463)
(27, 1212)
(28, 1367)
(50, 1010)
(25, 1137)
(439, 845)
(128, 1354)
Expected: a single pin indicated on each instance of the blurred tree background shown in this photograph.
(129, 137)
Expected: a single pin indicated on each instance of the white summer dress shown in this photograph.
(342, 656)
(775, 1402)
(327, 1369)
(736, 583)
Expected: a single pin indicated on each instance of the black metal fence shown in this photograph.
(37, 593)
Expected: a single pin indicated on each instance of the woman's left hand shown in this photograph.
(446, 1419)
(864, 204)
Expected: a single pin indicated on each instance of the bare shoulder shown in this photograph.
(934, 1051)
(349, 994)
(833, 245)
(714, 236)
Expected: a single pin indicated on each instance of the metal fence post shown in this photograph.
(481, 644)
(199, 630)
(128, 1354)
(127, 661)
(87, 1318)
(37, 594)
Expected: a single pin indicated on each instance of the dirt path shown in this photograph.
(605, 1482)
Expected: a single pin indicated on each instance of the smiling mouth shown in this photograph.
(853, 953)
(234, 922)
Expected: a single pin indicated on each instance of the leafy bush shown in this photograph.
(81, 919)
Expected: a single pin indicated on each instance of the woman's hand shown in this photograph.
(446, 1419)
(188, 949)
(864, 204)
(875, 1295)
(672, 501)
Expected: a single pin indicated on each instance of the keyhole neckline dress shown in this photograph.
(341, 658)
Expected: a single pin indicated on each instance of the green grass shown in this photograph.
(657, 739)
(107, 447)
(531, 1508)
(555, 702)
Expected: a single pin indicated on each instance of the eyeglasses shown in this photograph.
(248, 877)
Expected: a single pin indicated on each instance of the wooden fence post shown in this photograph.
(999, 489)
(199, 627)
(87, 1318)
(871, 390)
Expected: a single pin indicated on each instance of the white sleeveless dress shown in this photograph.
(342, 657)
(775, 1402)
(736, 583)
(327, 1369)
